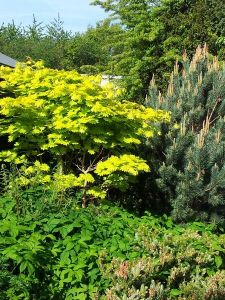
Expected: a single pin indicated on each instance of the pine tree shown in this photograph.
(192, 173)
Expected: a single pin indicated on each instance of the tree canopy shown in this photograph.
(156, 34)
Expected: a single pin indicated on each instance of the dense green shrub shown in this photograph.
(105, 253)
(192, 172)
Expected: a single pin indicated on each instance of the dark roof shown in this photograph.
(7, 61)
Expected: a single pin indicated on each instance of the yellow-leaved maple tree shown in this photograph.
(84, 128)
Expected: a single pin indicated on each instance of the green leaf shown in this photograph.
(81, 297)
(79, 274)
(14, 230)
(210, 272)
(52, 224)
(69, 246)
(51, 236)
(93, 274)
(66, 229)
(175, 292)
(64, 258)
(23, 266)
(80, 265)
(217, 247)
(218, 261)
(30, 268)
(122, 245)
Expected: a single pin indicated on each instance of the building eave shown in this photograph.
(7, 61)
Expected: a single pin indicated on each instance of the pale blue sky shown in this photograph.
(76, 14)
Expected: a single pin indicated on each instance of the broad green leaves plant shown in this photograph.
(77, 123)
(58, 256)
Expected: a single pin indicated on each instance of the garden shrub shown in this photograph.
(179, 262)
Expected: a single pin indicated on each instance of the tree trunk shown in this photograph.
(60, 165)
(84, 197)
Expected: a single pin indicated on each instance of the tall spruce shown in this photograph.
(192, 173)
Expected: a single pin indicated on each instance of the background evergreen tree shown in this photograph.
(192, 173)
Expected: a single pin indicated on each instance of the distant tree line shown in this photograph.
(87, 52)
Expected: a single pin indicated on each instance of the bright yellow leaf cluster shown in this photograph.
(63, 110)
(126, 163)
(36, 174)
(64, 181)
